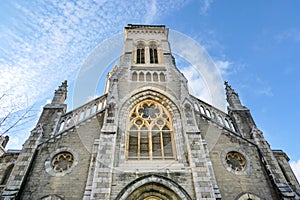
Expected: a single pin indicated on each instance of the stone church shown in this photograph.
(146, 138)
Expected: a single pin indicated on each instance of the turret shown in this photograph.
(248, 129)
(239, 112)
(52, 112)
(233, 98)
(60, 94)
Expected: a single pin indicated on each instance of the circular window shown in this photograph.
(235, 161)
(62, 161)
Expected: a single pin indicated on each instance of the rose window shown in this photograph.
(62, 161)
(235, 161)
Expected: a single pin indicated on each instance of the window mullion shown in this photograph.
(155, 56)
(142, 56)
(162, 145)
(150, 143)
(138, 56)
(139, 146)
(173, 143)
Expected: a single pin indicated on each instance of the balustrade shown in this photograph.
(82, 113)
(215, 115)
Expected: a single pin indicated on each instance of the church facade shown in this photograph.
(146, 138)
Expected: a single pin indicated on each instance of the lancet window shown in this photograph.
(150, 132)
(153, 54)
(140, 54)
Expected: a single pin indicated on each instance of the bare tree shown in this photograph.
(13, 116)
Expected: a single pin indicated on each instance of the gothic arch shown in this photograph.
(140, 52)
(153, 187)
(248, 196)
(149, 133)
(147, 94)
(52, 197)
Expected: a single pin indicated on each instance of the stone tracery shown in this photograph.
(150, 132)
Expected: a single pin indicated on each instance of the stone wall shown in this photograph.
(68, 184)
(252, 179)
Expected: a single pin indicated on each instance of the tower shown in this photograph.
(147, 138)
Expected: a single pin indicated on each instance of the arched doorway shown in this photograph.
(153, 191)
(153, 187)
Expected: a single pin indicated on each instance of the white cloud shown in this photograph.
(296, 168)
(46, 42)
(223, 66)
(291, 34)
(53, 38)
(264, 87)
(152, 12)
(196, 84)
(195, 54)
(205, 5)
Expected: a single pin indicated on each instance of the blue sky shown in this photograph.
(254, 44)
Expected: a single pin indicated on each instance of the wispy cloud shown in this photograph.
(46, 42)
(205, 5)
(264, 87)
(54, 37)
(196, 83)
(288, 35)
(195, 54)
(152, 12)
(296, 168)
(223, 66)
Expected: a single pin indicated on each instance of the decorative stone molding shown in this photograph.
(247, 196)
(164, 183)
(52, 197)
(64, 153)
(236, 161)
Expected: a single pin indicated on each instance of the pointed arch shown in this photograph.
(140, 53)
(141, 76)
(148, 77)
(150, 132)
(155, 187)
(162, 77)
(248, 196)
(153, 53)
(134, 76)
(167, 101)
(155, 77)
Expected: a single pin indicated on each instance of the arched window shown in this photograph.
(148, 76)
(155, 77)
(153, 54)
(162, 77)
(140, 54)
(141, 76)
(134, 76)
(150, 132)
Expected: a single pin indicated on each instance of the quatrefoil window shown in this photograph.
(236, 161)
(149, 111)
(62, 161)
